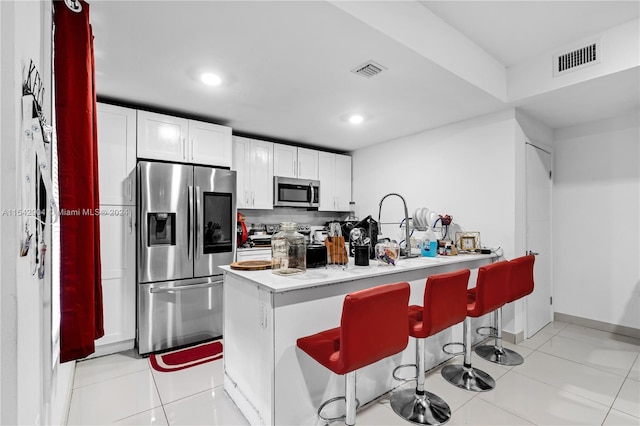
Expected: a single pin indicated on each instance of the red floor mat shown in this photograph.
(186, 357)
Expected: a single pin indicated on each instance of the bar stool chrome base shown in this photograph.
(502, 356)
(425, 409)
(468, 378)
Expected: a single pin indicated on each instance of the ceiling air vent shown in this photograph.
(576, 59)
(368, 69)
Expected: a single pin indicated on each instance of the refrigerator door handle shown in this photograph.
(184, 287)
(189, 218)
(198, 220)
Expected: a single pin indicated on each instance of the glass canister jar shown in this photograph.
(288, 250)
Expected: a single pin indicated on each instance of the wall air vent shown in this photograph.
(368, 69)
(576, 59)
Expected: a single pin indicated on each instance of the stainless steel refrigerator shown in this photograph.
(186, 231)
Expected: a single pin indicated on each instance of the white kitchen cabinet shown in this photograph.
(168, 138)
(210, 144)
(117, 252)
(294, 162)
(253, 162)
(334, 171)
(253, 254)
(116, 154)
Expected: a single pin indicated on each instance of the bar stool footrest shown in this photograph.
(445, 348)
(402, 379)
(332, 400)
(493, 332)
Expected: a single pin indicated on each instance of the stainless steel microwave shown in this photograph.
(292, 192)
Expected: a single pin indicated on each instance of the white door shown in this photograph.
(285, 160)
(241, 164)
(210, 144)
(116, 153)
(327, 175)
(117, 249)
(538, 304)
(343, 182)
(307, 163)
(162, 137)
(261, 175)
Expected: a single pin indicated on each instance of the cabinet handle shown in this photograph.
(253, 199)
(130, 224)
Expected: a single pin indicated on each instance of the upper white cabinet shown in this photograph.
(164, 137)
(253, 162)
(294, 162)
(209, 144)
(116, 154)
(335, 181)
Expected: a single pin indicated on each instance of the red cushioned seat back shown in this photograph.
(445, 301)
(491, 290)
(374, 325)
(521, 277)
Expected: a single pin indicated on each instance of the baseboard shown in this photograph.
(513, 338)
(598, 325)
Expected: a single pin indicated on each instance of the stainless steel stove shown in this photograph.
(261, 236)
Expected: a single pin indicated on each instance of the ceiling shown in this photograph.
(286, 65)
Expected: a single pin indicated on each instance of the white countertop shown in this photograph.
(333, 274)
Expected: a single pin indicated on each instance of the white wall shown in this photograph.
(596, 217)
(26, 394)
(466, 170)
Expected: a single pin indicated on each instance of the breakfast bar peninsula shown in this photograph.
(269, 378)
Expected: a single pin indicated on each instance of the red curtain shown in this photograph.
(75, 103)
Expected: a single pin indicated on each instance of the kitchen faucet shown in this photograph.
(407, 242)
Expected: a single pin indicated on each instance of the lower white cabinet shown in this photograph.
(117, 251)
(253, 254)
(334, 172)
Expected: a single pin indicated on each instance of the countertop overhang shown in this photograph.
(334, 274)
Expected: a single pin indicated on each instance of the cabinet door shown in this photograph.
(117, 248)
(209, 144)
(261, 172)
(241, 159)
(162, 137)
(327, 175)
(342, 182)
(285, 160)
(116, 154)
(307, 163)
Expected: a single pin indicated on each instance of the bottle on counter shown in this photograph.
(429, 245)
(288, 250)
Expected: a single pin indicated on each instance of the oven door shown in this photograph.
(215, 221)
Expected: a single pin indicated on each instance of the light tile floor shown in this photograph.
(571, 375)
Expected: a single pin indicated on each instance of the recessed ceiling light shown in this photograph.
(356, 119)
(210, 79)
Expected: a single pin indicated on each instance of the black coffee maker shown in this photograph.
(366, 234)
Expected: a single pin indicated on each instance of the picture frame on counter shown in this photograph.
(468, 241)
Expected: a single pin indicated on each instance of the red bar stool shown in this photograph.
(444, 304)
(520, 285)
(487, 296)
(373, 326)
